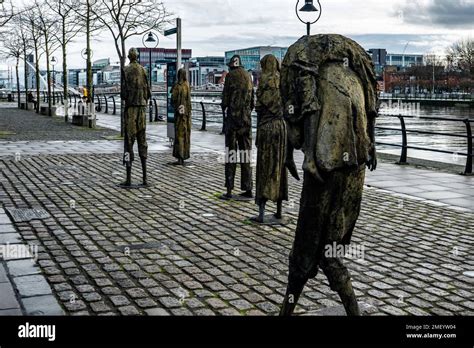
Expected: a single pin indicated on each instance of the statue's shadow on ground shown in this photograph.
(184, 165)
(270, 220)
(133, 186)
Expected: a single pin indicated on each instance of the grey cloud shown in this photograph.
(447, 13)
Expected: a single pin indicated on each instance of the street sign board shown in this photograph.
(171, 75)
(171, 31)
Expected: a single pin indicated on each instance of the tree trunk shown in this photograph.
(25, 57)
(17, 68)
(37, 78)
(48, 74)
(122, 108)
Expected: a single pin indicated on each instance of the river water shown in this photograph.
(457, 145)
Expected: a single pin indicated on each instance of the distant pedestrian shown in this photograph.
(31, 99)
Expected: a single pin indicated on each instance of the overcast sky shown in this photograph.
(210, 27)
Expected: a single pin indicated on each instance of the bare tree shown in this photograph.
(436, 66)
(47, 25)
(7, 12)
(20, 23)
(34, 26)
(26, 40)
(69, 27)
(13, 48)
(128, 18)
(461, 55)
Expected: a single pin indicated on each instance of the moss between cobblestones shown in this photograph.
(6, 133)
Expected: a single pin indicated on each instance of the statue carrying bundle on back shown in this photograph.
(328, 89)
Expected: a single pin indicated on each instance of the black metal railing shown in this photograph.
(405, 144)
(428, 96)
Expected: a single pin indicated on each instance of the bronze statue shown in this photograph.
(238, 103)
(182, 112)
(328, 89)
(136, 93)
(272, 174)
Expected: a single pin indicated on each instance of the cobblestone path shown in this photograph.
(21, 125)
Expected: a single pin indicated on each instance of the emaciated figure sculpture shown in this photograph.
(329, 92)
(272, 175)
(182, 112)
(237, 103)
(136, 93)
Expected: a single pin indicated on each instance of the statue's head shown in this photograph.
(133, 54)
(235, 62)
(182, 75)
(270, 64)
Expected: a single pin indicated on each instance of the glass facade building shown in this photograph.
(251, 56)
(382, 59)
(161, 56)
(201, 69)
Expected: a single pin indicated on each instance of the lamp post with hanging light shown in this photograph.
(152, 41)
(53, 63)
(309, 8)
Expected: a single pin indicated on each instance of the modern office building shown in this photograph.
(382, 59)
(204, 70)
(159, 58)
(251, 56)
(405, 60)
(100, 64)
(73, 77)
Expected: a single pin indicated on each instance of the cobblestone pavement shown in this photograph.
(175, 249)
(23, 289)
(21, 125)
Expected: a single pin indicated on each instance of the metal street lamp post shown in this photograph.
(152, 41)
(308, 8)
(53, 63)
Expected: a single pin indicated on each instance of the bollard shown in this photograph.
(62, 98)
(204, 117)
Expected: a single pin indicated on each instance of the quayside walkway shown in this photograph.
(175, 249)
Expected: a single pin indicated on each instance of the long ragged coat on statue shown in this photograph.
(272, 175)
(182, 112)
(329, 92)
